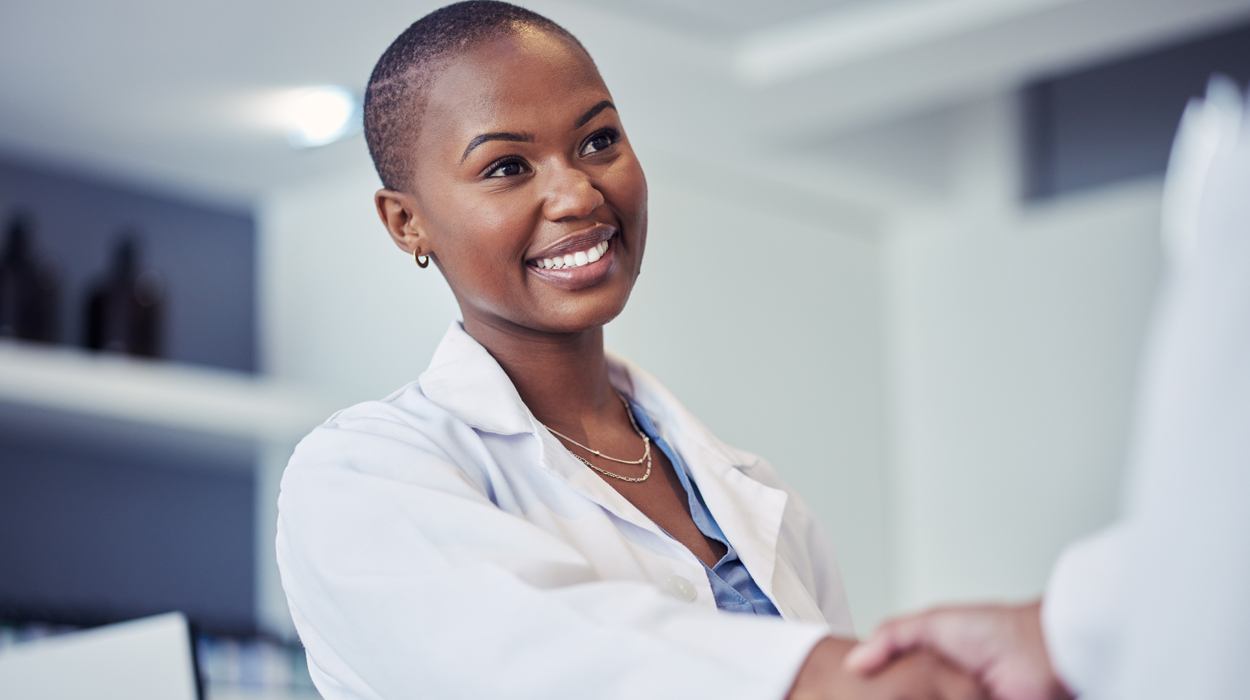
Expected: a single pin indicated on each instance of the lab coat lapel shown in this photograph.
(556, 459)
(748, 512)
(467, 382)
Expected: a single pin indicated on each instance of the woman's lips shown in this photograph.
(582, 241)
(576, 258)
(578, 269)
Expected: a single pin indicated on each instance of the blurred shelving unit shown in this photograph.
(155, 394)
(68, 393)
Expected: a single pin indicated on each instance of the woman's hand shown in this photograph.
(919, 675)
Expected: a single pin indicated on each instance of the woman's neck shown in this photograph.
(562, 378)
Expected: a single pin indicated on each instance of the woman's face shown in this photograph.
(526, 190)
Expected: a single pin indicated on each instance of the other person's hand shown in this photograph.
(919, 675)
(1001, 645)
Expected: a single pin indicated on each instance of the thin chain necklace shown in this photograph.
(646, 453)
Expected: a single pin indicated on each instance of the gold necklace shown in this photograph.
(646, 453)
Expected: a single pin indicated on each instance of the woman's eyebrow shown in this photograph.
(590, 113)
(495, 136)
(529, 138)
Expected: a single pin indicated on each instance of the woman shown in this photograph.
(533, 517)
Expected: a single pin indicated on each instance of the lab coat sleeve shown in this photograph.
(1083, 610)
(1188, 631)
(1159, 607)
(406, 581)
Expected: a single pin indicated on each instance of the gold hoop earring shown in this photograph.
(417, 258)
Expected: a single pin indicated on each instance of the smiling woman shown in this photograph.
(533, 517)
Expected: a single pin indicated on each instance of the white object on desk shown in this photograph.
(147, 659)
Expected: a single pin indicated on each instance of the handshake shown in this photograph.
(956, 653)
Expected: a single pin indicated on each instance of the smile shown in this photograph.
(575, 259)
(579, 261)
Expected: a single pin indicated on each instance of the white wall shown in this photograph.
(760, 309)
(1015, 332)
(343, 310)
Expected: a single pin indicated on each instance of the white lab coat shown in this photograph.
(1158, 605)
(441, 543)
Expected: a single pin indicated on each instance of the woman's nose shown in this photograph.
(570, 194)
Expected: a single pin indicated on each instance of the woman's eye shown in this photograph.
(509, 168)
(599, 141)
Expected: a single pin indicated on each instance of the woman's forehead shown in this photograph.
(521, 80)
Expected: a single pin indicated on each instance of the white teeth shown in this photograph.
(578, 259)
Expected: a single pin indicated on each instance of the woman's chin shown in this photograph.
(585, 311)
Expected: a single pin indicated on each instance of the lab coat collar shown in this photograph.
(466, 381)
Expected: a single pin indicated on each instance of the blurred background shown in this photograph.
(905, 250)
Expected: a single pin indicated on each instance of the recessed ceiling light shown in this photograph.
(316, 116)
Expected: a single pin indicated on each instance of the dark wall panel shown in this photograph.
(205, 256)
(1116, 121)
(100, 532)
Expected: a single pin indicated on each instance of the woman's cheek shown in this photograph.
(631, 190)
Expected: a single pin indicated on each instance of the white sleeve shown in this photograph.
(1160, 607)
(1187, 631)
(1083, 610)
(394, 598)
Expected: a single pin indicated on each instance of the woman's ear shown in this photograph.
(400, 216)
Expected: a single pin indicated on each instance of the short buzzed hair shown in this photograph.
(395, 98)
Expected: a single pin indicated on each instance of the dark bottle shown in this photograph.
(125, 308)
(28, 288)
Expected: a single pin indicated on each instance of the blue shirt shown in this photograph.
(732, 585)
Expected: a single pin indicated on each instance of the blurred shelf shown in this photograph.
(156, 393)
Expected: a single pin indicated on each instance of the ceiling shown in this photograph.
(721, 18)
(162, 93)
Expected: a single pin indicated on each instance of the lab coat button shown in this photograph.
(681, 589)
